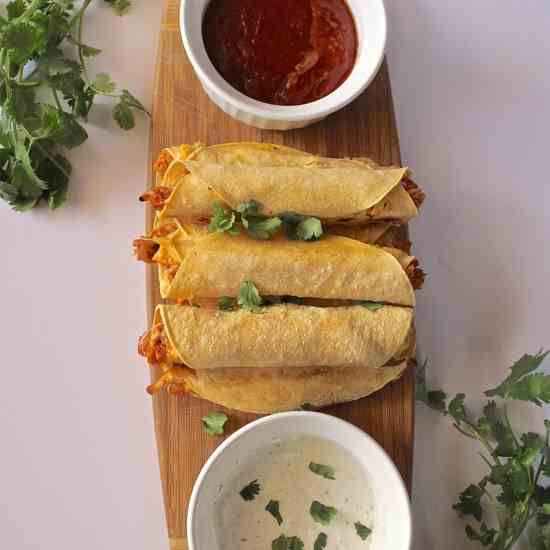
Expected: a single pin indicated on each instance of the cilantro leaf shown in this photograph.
(214, 422)
(103, 84)
(362, 530)
(262, 229)
(247, 209)
(491, 426)
(15, 9)
(469, 503)
(273, 508)
(222, 220)
(124, 116)
(225, 303)
(287, 543)
(322, 470)
(309, 229)
(322, 514)
(89, 51)
(371, 306)
(299, 227)
(485, 536)
(320, 542)
(435, 399)
(456, 408)
(250, 491)
(522, 385)
(249, 298)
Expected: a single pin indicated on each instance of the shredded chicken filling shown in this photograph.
(417, 195)
(156, 196)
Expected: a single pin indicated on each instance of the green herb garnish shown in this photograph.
(320, 542)
(309, 229)
(371, 306)
(247, 214)
(362, 530)
(248, 209)
(250, 491)
(307, 407)
(302, 228)
(225, 303)
(322, 514)
(273, 508)
(214, 422)
(322, 470)
(222, 220)
(515, 486)
(46, 93)
(249, 298)
(287, 543)
(263, 229)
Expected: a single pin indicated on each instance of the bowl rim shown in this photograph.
(210, 78)
(400, 488)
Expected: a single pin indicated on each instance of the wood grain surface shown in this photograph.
(182, 113)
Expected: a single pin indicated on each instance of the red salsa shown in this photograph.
(283, 52)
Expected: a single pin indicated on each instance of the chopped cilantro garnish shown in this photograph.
(222, 220)
(302, 228)
(362, 530)
(309, 229)
(322, 470)
(249, 298)
(322, 514)
(320, 542)
(273, 508)
(263, 229)
(250, 491)
(287, 543)
(226, 303)
(307, 407)
(214, 422)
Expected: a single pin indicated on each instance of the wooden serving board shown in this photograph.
(182, 113)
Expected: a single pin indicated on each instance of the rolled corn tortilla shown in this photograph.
(332, 268)
(350, 194)
(271, 390)
(179, 194)
(280, 336)
(196, 264)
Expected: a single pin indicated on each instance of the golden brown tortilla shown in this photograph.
(272, 390)
(334, 267)
(287, 335)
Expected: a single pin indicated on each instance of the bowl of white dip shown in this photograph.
(299, 478)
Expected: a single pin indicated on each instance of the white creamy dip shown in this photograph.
(283, 474)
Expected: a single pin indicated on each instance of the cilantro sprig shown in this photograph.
(245, 214)
(248, 216)
(46, 93)
(516, 484)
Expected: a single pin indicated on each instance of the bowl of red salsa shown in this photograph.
(283, 64)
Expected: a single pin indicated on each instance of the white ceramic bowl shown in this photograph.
(370, 21)
(391, 503)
